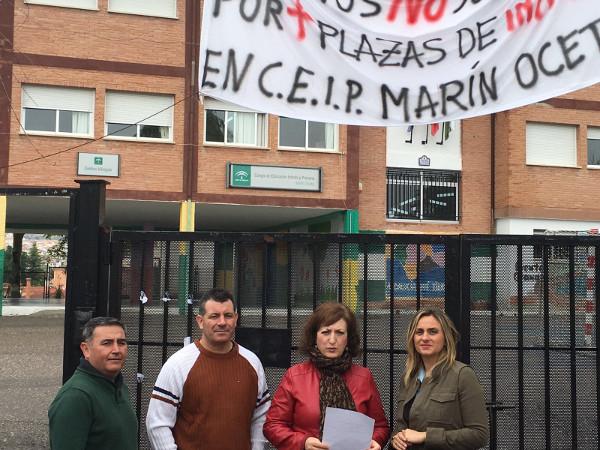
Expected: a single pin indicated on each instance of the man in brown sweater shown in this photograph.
(212, 394)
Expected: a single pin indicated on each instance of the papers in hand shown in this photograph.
(347, 430)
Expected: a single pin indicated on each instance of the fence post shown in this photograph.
(457, 291)
(85, 280)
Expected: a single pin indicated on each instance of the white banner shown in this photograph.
(394, 62)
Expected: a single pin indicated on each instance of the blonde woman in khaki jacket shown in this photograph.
(441, 403)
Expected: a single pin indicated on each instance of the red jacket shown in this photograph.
(295, 412)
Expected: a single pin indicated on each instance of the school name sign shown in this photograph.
(394, 62)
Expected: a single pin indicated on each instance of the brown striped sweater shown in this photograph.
(209, 401)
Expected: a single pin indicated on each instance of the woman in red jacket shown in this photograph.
(328, 378)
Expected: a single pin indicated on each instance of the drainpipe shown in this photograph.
(493, 175)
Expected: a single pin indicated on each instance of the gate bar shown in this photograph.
(190, 294)
(166, 304)
(340, 272)
(116, 264)
(493, 353)
(392, 335)
(140, 347)
(315, 275)
(520, 346)
(418, 278)
(597, 300)
(365, 294)
(289, 285)
(573, 353)
(266, 280)
(547, 390)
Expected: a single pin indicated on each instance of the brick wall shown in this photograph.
(528, 191)
(475, 184)
(144, 166)
(212, 162)
(103, 35)
(156, 171)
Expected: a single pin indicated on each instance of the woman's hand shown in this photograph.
(399, 442)
(408, 437)
(312, 443)
(375, 446)
(414, 437)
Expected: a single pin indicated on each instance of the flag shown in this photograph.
(434, 128)
(449, 127)
(447, 130)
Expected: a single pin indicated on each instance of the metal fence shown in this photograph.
(525, 306)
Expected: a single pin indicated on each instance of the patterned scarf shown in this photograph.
(332, 389)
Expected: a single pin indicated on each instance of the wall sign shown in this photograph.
(97, 165)
(274, 177)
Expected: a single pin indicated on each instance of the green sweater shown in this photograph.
(91, 412)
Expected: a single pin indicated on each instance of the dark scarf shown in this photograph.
(332, 388)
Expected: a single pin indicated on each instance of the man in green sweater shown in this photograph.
(92, 410)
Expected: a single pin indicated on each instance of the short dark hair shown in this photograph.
(327, 314)
(95, 322)
(217, 295)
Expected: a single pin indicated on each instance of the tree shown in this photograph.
(15, 280)
(8, 263)
(57, 254)
(24, 262)
(36, 266)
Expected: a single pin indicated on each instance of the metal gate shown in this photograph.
(525, 306)
(533, 337)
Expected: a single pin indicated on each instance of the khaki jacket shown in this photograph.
(450, 407)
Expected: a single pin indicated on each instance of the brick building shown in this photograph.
(105, 89)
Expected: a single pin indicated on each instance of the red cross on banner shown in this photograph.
(302, 15)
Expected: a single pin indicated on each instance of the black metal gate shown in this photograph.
(518, 302)
(533, 337)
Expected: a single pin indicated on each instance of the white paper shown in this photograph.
(347, 430)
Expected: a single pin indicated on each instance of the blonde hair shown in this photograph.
(447, 356)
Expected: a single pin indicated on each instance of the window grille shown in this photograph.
(414, 194)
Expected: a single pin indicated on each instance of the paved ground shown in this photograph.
(31, 349)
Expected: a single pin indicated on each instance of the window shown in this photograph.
(57, 110)
(422, 194)
(593, 146)
(228, 124)
(139, 116)
(306, 135)
(80, 4)
(156, 8)
(551, 145)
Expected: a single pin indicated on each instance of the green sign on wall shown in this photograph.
(274, 177)
(240, 175)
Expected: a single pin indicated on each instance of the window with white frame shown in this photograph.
(135, 116)
(80, 4)
(551, 144)
(156, 8)
(307, 135)
(228, 124)
(593, 146)
(57, 110)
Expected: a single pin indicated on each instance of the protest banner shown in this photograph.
(394, 62)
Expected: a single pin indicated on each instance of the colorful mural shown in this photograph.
(431, 266)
